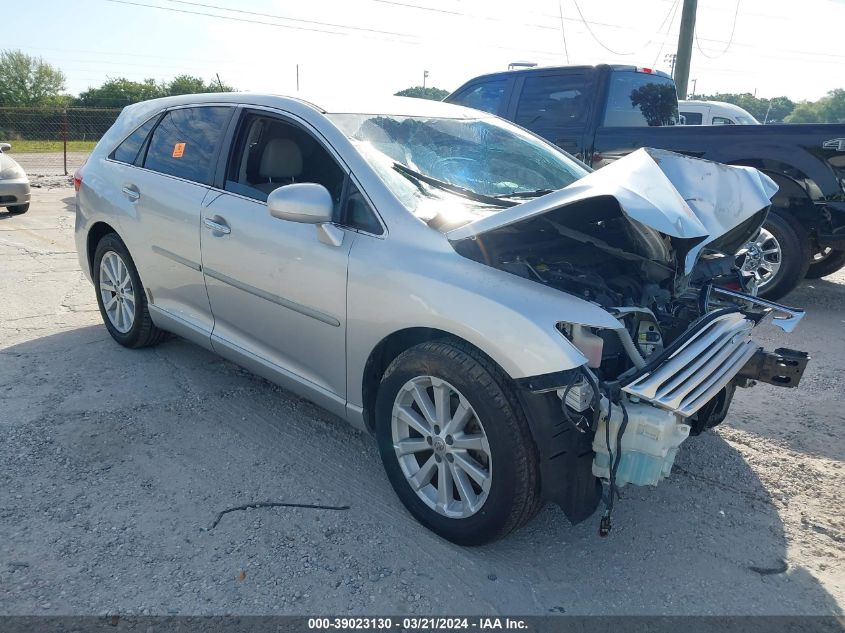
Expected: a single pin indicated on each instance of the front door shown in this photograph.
(277, 292)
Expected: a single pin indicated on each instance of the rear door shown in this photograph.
(556, 105)
(166, 190)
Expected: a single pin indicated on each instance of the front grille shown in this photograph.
(691, 375)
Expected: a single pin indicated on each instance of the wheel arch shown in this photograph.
(97, 232)
(387, 350)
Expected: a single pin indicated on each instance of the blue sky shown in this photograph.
(774, 46)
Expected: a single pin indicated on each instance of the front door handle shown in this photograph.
(131, 192)
(218, 227)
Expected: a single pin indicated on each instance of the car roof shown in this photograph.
(729, 107)
(330, 104)
(543, 69)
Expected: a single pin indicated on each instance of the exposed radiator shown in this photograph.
(694, 373)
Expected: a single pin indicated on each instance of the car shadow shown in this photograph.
(69, 204)
(163, 438)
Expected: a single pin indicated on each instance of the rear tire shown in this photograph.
(833, 261)
(469, 381)
(121, 296)
(794, 253)
(18, 209)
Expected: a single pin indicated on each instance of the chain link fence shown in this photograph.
(53, 141)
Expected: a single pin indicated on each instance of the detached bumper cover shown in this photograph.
(699, 368)
(716, 350)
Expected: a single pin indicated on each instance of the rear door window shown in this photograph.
(721, 120)
(186, 141)
(127, 151)
(488, 96)
(640, 99)
(691, 118)
(561, 99)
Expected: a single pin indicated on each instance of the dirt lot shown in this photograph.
(114, 464)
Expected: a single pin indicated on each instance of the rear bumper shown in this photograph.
(14, 192)
(830, 231)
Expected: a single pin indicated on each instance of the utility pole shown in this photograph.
(685, 47)
(425, 76)
(297, 77)
(694, 84)
(670, 58)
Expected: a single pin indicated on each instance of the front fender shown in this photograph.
(509, 318)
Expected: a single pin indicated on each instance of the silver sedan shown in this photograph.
(14, 184)
(513, 328)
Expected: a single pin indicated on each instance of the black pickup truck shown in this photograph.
(600, 113)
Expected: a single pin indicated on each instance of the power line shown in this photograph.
(224, 17)
(282, 17)
(598, 41)
(730, 39)
(672, 10)
(562, 33)
(302, 28)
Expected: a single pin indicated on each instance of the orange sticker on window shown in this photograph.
(178, 150)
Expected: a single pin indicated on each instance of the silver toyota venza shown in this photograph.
(512, 327)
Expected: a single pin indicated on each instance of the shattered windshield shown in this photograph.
(483, 163)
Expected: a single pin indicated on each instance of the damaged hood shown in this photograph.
(676, 195)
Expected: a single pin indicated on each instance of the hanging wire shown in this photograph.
(562, 33)
(730, 39)
(673, 10)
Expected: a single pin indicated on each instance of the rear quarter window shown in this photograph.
(186, 141)
(128, 150)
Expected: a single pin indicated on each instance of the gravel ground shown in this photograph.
(115, 463)
(49, 163)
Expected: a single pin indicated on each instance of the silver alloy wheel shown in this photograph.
(442, 447)
(763, 258)
(117, 292)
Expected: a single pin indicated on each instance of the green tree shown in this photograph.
(657, 102)
(828, 109)
(435, 94)
(29, 81)
(119, 92)
(188, 84)
(764, 110)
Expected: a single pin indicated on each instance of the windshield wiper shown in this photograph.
(527, 194)
(445, 186)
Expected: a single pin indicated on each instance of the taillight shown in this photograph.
(648, 71)
(77, 177)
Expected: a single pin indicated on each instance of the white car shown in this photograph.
(14, 185)
(714, 113)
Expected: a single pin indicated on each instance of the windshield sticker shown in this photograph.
(178, 150)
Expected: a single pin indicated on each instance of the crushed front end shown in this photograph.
(652, 240)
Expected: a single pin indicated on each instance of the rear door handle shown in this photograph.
(131, 192)
(218, 227)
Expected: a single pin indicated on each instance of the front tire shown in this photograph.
(826, 262)
(455, 443)
(121, 296)
(18, 209)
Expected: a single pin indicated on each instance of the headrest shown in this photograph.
(281, 159)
